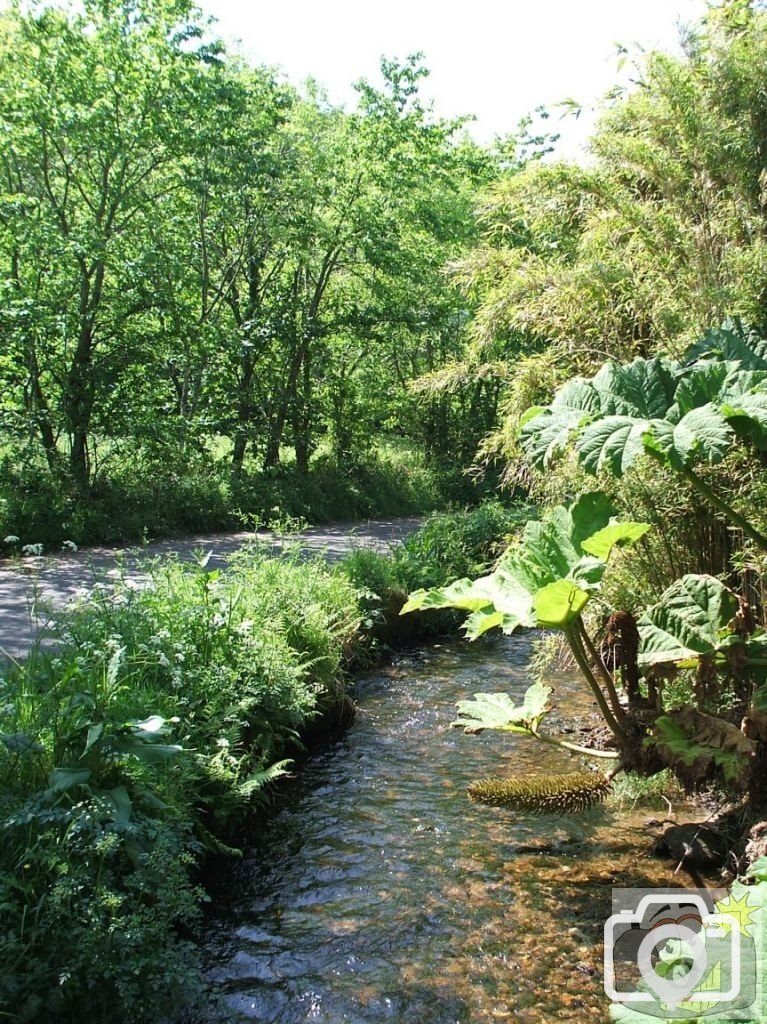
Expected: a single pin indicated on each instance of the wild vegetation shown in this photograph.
(222, 299)
(148, 738)
(624, 274)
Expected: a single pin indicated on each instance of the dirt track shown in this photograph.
(32, 585)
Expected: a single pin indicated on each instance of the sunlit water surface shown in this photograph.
(379, 892)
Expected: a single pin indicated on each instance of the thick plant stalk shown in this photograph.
(574, 640)
(599, 665)
(576, 748)
(727, 510)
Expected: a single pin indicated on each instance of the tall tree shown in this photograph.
(94, 113)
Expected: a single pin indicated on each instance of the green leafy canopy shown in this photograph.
(546, 578)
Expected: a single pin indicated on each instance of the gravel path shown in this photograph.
(29, 587)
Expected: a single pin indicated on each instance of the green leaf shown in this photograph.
(578, 397)
(731, 342)
(700, 432)
(498, 711)
(530, 414)
(613, 443)
(62, 779)
(499, 592)
(545, 436)
(480, 622)
(692, 738)
(687, 620)
(545, 579)
(643, 389)
(558, 604)
(587, 516)
(702, 384)
(121, 803)
(544, 433)
(747, 415)
(258, 780)
(94, 735)
(758, 870)
(603, 541)
(679, 415)
(21, 743)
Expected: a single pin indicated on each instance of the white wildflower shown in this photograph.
(11, 539)
(163, 660)
(69, 545)
(32, 549)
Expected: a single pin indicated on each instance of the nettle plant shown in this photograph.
(681, 413)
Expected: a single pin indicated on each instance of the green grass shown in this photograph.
(646, 791)
(140, 494)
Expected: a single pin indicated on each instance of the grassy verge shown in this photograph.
(149, 497)
(149, 737)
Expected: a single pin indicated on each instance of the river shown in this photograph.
(379, 892)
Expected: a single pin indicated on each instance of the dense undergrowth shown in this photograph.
(149, 495)
(149, 736)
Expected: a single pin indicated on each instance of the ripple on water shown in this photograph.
(381, 893)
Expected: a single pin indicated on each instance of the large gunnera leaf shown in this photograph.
(498, 711)
(731, 341)
(679, 413)
(700, 433)
(547, 577)
(688, 621)
(608, 415)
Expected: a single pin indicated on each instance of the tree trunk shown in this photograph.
(244, 415)
(277, 426)
(302, 419)
(79, 401)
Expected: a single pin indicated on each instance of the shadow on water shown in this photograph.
(380, 892)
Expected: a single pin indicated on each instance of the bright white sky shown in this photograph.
(496, 59)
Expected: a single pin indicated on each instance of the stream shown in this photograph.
(379, 892)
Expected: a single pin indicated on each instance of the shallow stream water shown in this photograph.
(379, 892)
